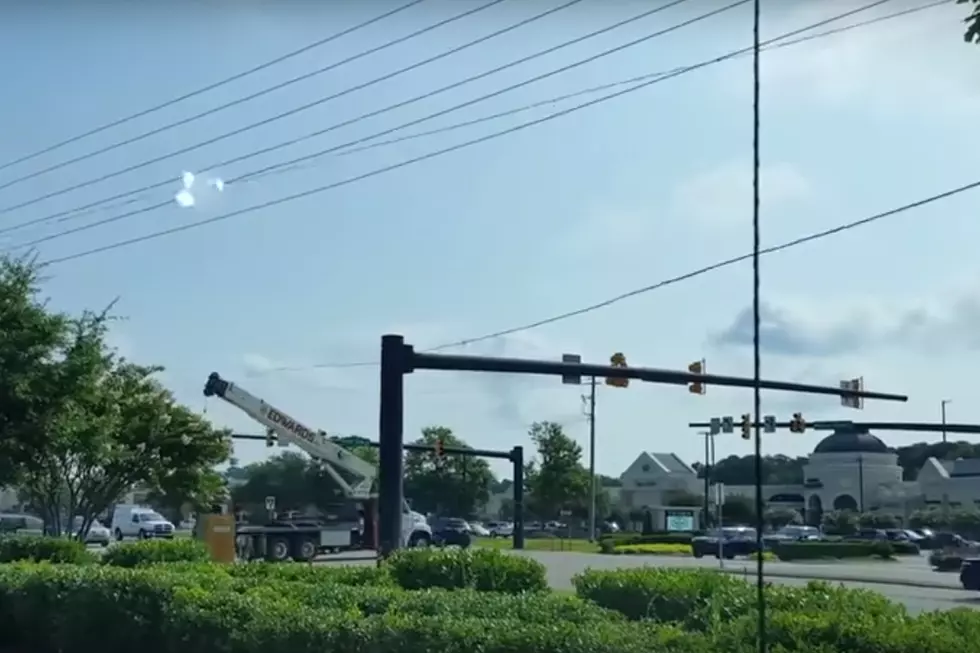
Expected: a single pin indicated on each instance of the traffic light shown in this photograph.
(440, 452)
(797, 424)
(270, 438)
(746, 426)
(617, 360)
(697, 367)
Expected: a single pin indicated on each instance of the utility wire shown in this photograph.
(209, 87)
(379, 171)
(760, 579)
(278, 168)
(304, 107)
(293, 141)
(286, 165)
(236, 102)
(636, 292)
(346, 148)
(624, 82)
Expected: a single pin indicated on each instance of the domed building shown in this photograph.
(850, 469)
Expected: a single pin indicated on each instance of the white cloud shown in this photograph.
(825, 328)
(722, 196)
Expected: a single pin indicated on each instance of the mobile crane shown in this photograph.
(280, 540)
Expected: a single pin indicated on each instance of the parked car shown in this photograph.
(450, 531)
(18, 523)
(478, 530)
(500, 529)
(791, 533)
(97, 532)
(727, 542)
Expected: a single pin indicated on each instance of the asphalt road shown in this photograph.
(944, 593)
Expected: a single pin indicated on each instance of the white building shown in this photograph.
(849, 469)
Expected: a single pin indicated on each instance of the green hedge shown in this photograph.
(480, 569)
(184, 607)
(842, 549)
(145, 552)
(37, 548)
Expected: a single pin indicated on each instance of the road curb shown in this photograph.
(844, 578)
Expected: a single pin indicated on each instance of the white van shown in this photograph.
(139, 522)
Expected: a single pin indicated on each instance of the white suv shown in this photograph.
(500, 529)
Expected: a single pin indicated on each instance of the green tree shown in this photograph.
(452, 485)
(296, 481)
(47, 360)
(841, 522)
(79, 426)
(555, 479)
(972, 21)
(125, 432)
(779, 517)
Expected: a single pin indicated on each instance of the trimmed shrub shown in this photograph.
(147, 552)
(661, 537)
(480, 569)
(38, 548)
(843, 549)
(652, 549)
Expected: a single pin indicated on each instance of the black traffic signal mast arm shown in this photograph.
(833, 425)
(415, 361)
(399, 358)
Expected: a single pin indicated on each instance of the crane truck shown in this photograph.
(285, 539)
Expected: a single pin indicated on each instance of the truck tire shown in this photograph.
(419, 540)
(143, 535)
(278, 549)
(119, 535)
(304, 549)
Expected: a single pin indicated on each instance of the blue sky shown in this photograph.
(620, 195)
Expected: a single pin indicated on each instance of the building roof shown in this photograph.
(851, 441)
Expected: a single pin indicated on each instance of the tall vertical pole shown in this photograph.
(390, 440)
(517, 457)
(943, 408)
(592, 479)
(861, 483)
(707, 478)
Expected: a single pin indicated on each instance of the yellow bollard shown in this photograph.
(218, 534)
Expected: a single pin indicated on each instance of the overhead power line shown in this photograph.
(636, 292)
(210, 87)
(346, 148)
(140, 194)
(623, 82)
(424, 157)
(304, 107)
(285, 165)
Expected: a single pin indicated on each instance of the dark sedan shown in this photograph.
(449, 531)
(727, 542)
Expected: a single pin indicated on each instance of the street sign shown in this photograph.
(715, 427)
(565, 513)
(571, 379)
(852, 384)
(719, 494)
(769, 423)
(270, 503)
(727, 424)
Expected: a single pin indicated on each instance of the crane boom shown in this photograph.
(292, 431)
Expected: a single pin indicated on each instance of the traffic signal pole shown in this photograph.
(399, 359)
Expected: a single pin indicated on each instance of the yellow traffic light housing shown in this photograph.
(270, 438)
(697, 367)
(617, 360)
(746, 426)
(797, 424)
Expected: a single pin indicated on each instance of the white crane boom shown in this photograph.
(292, 431)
